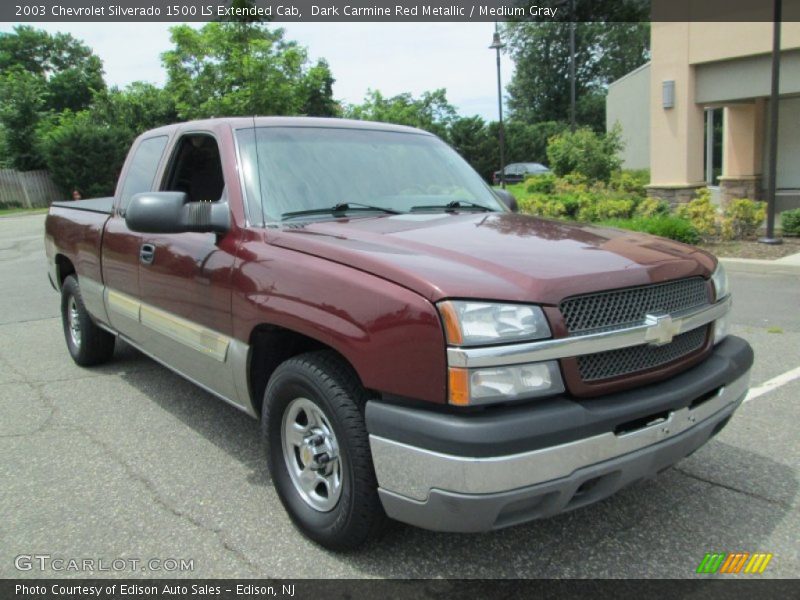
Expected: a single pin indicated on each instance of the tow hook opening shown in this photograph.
(641, 423)
(705, 398)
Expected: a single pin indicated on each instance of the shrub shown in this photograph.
(591, 155)
(741, 218)
(631, 181)
(541, 184)
(790, 222)
(674, 228)
(602, 209)
(701, 213)
(542, 206)
(650, 207)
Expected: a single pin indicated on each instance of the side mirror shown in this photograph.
(169, 212)
(508, 199)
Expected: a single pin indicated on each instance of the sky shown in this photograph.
(390, 57)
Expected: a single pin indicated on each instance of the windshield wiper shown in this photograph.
(338, 209)
(454, 205)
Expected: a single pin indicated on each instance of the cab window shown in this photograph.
(196, 169)
(142, 171)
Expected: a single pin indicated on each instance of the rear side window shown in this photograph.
(143, 168)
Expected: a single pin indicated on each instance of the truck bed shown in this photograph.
(95, 205)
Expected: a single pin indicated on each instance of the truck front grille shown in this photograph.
(614, 363)
(616, 308)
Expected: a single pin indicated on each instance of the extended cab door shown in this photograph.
(185, 278)
(121, 246)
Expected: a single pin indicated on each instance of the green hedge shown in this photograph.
(671, 227)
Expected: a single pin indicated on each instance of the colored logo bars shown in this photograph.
(734, 562)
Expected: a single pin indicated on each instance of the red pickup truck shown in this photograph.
(412, 346)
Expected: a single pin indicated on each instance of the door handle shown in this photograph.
(147, 254)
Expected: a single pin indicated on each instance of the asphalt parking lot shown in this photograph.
(130, 461)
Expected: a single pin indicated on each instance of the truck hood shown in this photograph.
(495, 256)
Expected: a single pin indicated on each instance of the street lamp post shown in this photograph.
(570, 4)
(497, 45)
(572, 64)
(772, 165)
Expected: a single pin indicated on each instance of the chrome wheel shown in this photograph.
(311, 453)
(74, 322)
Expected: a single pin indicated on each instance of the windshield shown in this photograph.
(289, 170)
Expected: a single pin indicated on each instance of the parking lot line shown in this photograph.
(772, 384)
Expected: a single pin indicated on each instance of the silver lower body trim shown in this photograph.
(413, 472)
(245, 407)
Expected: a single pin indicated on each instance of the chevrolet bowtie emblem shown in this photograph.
(661, 329)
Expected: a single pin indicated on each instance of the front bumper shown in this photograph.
(439, 471)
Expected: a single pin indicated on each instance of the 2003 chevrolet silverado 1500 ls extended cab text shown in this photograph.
(412, 346)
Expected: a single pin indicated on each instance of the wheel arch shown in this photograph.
(64, 268)
(271, 345)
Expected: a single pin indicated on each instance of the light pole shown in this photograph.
(571, 7)
(497, 45)
(772, 165)
(572, 64)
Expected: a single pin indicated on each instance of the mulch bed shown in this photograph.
(752, 249)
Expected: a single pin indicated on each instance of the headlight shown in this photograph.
(470, 323)
(473, 387)
(721, 290)
(720, 281)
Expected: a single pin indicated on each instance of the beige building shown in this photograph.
(696, 115)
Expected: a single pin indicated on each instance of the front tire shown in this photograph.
(318, 450)
(88, 345)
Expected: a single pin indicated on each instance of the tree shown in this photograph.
(71, 72)
(137, 108)
(317, 92)
(540, 87)
(431, 111)
(527, 142)
(83, 154)
(243, 68)
(473, 140)
(41, 75)
(21, 104)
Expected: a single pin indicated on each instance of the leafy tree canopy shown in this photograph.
(83, 154)
(431, 111)
(228, 69)
(21, 104)
(69, 69)
(136, 108)
(604, 52)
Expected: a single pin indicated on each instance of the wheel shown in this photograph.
(87, 343)
(318, 450)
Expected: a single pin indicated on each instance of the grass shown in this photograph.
(13, 212)
(774, 330)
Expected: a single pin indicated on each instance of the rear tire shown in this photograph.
(318, 450)
(87, 343)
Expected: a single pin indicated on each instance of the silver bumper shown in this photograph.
(460, 493)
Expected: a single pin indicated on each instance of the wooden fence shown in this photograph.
(27, 189)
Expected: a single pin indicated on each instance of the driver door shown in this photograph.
(185, 278)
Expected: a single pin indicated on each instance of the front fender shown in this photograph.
(392, 336)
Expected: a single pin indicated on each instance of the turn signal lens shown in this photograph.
(451, 328)
(459, 386)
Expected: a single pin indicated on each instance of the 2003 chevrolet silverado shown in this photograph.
(412, 346)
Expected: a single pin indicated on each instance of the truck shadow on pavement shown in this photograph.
(724, 498)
